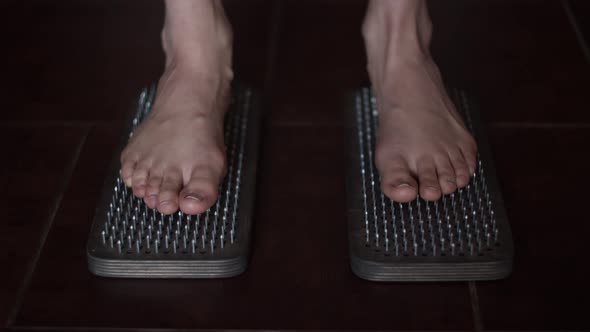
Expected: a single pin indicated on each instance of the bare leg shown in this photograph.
(423, 145)
(176, 158)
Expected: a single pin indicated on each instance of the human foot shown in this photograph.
(176, 158)
(423, 145)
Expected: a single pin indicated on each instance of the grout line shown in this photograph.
(477, 320)
(306, 124)
(539, 125)
(133, 329)
(36, 124)
(576, 27)
(273, 45)
(68, 174)
(498, 125)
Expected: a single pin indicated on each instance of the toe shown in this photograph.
(429, 184)
(139, 180)
(461, 170)
(199, 194)
(470, 159)
(469, 152)
(446, 175)
(398, 183)
(152, 191)
(127, 168)
(168, 196)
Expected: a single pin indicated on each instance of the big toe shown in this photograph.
(168, 196)
(199, 194)
(398, 183)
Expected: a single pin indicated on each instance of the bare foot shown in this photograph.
(176, 158)
(423, 145)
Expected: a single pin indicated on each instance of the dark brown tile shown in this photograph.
(83, 61)
(580, 17)
(520, 57)
(320, 58)
(87, 61)
(299, 275)
(32, 174)
(251, 23)
(542, 174)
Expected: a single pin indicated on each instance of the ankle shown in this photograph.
(188, 73)
(197, 67)
(400, 63)
(402, 27)
(184, 43)
(204, 62)
(197, 34)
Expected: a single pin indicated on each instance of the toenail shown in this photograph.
(402, 185)
(164, 203)
(194, 197)
(128, 182)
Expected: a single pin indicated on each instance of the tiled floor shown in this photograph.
(72, 72)
(37, 176)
